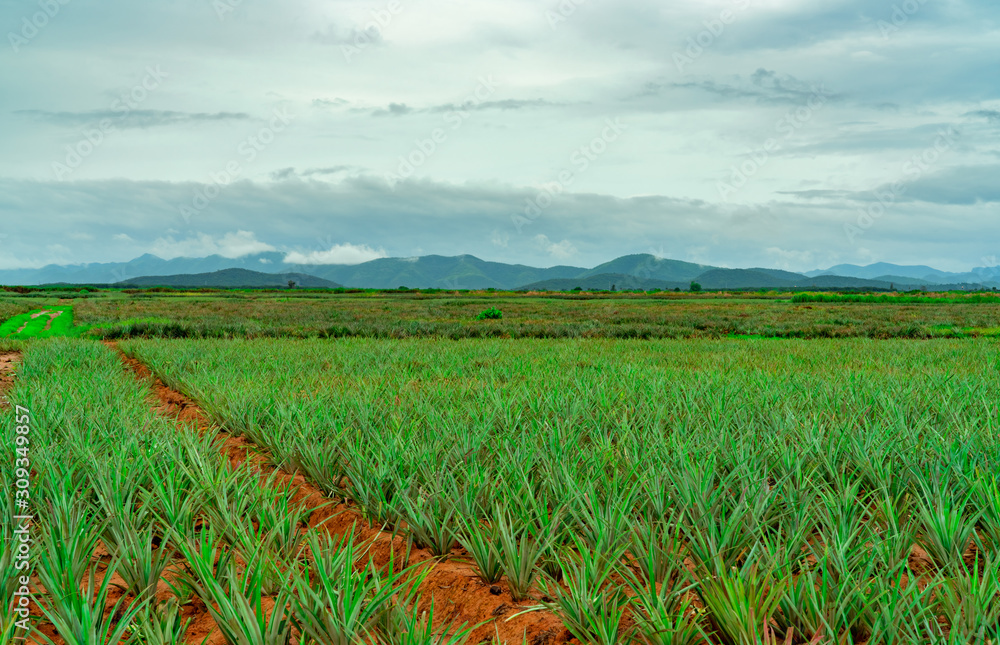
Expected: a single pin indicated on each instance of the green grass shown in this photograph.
(34, 325)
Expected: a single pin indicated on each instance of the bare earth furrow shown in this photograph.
(458, 595)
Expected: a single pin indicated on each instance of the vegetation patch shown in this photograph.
(42, 323)
(490, 314)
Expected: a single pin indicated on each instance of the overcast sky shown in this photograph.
(784, 133)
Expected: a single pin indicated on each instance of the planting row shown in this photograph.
(742, 492)
(144, 532)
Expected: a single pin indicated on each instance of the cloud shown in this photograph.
(500, 239)
(336, 36)
(505, 104)
(559, 250)
(230, 245)
(337, 254)
(959, 186)
(289, 173)
(132, 118)
(394, 109)
(787, 259)
(442, 218)
(402, 109)
(764, 86)
(993, 116)
(329, 103)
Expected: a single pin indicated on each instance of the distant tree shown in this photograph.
(291, 284)
(577, 289)
(612, 287)
(695, 287)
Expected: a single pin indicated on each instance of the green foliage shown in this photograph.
(452, 315)
(796, 477)
(490, 314)
(41, 323)
(909, 298)
(785, 485)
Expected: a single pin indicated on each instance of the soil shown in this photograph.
(52, 318)
(51, 314)
(8, 362)
(458, 595)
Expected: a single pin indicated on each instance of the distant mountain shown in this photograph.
(650, 267)
(915, 275)
(603, 282)
(231, 279)
(439, 272)
(743, 279)
(872, 271)
(145, 265)
(469, 272)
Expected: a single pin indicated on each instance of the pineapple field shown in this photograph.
(273, 491)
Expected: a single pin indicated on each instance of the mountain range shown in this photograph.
(232, 279)
(468, 272)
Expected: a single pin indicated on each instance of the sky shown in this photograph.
(780, 133)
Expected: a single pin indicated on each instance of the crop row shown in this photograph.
(446, 316)
(138, 524)
(743, 492)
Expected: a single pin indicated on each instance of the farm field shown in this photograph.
(599, 491)
(651, 316)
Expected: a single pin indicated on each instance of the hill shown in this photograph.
(470, 272)
(230, 279)
(603, 282)
(649, 267)
(439, 272)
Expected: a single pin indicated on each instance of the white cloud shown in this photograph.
(337, 254)
(560, 250)
(791, 260)
(122, 237)
(230, 245)
(500, 240)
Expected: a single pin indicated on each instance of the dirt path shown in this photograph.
(52, 318)
(8, 363)
(51, 314)
(458, 595)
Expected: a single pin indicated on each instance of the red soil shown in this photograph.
(458, 595)
(8, 362)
